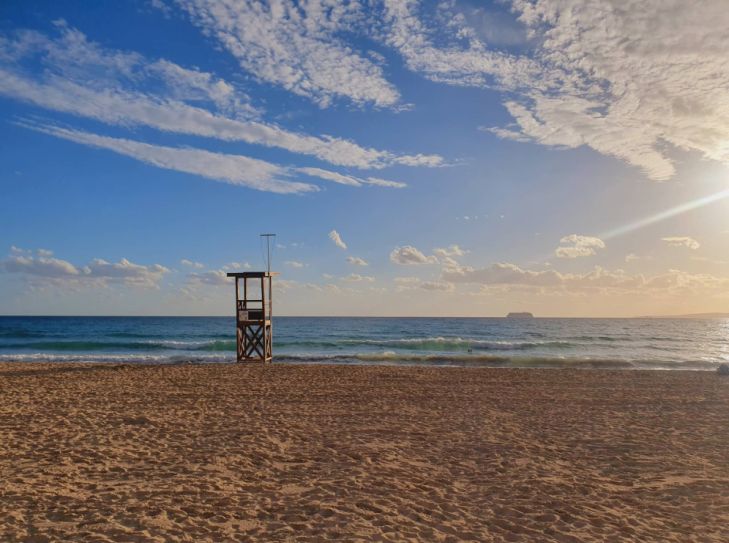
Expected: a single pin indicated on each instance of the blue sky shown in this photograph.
(473, 158)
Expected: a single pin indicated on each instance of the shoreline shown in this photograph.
(440, 361)
(218, 452)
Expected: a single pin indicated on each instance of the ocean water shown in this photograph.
(497, 342)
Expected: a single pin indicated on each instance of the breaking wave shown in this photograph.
(435, 344)
(383, 358)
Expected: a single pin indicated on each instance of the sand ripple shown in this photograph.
(306, 453)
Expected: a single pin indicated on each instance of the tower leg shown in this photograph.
(239, 348)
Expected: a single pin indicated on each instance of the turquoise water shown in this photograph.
(498, 342)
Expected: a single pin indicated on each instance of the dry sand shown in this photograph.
(317, 453)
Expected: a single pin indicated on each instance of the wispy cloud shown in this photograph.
(331, 176)
(384, 183)
(636, 75)
(297, 46)
(337, 239)
(294, 264)
(81, 78)
(465, 61)
(357, 261)
(622, 79)
(351, 180)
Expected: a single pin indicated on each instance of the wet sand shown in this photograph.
(336, 453)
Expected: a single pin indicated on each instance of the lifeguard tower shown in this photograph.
(253, 311)
(253, 315)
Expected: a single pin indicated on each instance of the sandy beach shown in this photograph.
(335, 453)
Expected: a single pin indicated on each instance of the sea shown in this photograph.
(664, 344)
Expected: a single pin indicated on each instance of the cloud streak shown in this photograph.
(83, 79)
(350, 180)
(233, 169)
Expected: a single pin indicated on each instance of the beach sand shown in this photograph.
(342, 453)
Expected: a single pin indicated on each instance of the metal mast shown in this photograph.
(268, 250)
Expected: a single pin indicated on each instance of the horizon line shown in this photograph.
(708, 315)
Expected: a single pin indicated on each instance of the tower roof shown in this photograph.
(252, 274)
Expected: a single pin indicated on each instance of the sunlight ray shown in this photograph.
(666, 214)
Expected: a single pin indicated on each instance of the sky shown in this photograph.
(436, 158)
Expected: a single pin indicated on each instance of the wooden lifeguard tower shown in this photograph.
(253, 316)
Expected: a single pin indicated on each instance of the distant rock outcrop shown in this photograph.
(723, 369)
(520, 315)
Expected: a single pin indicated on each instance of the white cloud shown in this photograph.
(409, 255)
(682, 241)
(357, 261)
(233, 169)
(192, 264)
(337, 239)
(574, 246)
(294, 264)
(357, 278)
(81, 78)
(297, 46)
(630, 257)
(98, 272)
